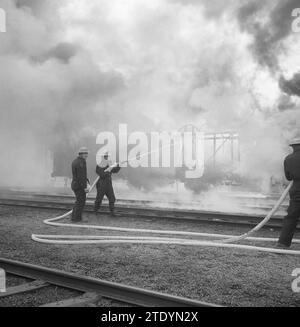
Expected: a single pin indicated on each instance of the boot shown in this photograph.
(112, 209)
(282, 246)
(74, 217)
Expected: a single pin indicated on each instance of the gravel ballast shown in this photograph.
(230, 277)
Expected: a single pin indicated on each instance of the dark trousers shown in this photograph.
(290, 223)
(109, 192)
(79, 204)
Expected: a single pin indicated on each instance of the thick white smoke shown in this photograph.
(73, 67)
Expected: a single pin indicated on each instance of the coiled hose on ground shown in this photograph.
(225, 241)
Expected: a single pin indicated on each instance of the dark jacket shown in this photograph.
(292, 173)
(79, 174)
(105, 177)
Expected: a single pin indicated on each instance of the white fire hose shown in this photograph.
(224, 242)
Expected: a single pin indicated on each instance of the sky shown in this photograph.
(72, 68)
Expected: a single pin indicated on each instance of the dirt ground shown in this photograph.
(229, 277)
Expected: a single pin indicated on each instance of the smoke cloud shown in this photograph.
(72, 68)
(292, 86)
(269, 22)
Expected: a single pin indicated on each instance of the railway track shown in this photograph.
(247, 202)
(89, 291)
(132, 211)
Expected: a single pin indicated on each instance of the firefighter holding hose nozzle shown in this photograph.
(292, 173)
(104, 185)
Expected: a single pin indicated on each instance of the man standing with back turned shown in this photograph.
(79, 183)
(292, 173)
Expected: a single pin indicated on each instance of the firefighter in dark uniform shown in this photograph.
(79, 183)
(292, 173)
(104, 185)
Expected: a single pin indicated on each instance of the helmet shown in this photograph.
(295, 142)
(83, 150)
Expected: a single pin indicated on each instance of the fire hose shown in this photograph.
(226, 241)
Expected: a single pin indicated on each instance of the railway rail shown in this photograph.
(246, 201)
(134, 211)
(91, 289)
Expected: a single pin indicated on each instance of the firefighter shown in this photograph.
(104, 185)
(292, 173)
(79, 183)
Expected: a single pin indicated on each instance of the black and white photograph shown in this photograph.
(150, 157)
